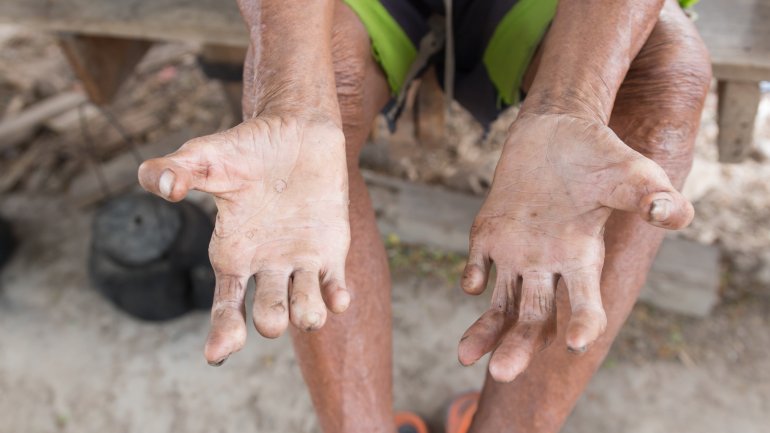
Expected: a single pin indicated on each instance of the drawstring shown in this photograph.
(449, 61)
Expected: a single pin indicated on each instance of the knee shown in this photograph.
(664, 92)
(350, 55)
(673, 68)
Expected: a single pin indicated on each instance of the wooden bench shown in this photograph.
(736, 31)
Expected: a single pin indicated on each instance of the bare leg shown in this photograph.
(657, 112)
(347, 364)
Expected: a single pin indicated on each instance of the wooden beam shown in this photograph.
(190, 21)
(737, 111)
(737, 36)
(102, 63)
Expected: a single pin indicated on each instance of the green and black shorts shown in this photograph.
(492, 42)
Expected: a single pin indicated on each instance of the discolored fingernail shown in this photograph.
(660, 209)
(312, 320)
(577, 350)
(218, 363)
(166, 183)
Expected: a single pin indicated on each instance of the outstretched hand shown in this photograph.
(282, 197)
(556, 183)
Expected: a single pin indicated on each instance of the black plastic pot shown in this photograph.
(150, 257)
(7, 242)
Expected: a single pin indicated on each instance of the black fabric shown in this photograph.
(7, 242)
(474, 22)
(230, 72)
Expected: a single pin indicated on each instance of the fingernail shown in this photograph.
(218, 363)
(312, 320)
(576, 350)
(166, 183)
(660, 209)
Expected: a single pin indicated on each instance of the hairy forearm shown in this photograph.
(289, 63)
(586, 55)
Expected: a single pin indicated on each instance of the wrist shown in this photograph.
(291, 101)
(570, 99)
(310, 125)
(288, 71)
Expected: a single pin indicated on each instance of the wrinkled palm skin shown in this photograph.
(556, 183)
(282, 197)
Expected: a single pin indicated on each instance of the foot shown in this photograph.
(460, 412)
(410, 422)
(556, 183)
(282, 198)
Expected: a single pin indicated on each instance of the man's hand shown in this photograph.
(282, 196)
(556, 183)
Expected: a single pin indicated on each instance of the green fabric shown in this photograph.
(513, 44)
(686, 4)
(391, 47)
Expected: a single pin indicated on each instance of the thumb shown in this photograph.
(171, 176)
(646, 190)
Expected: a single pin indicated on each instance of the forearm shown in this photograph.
(586, 55)
(289, 67)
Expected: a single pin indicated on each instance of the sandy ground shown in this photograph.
(70, 362)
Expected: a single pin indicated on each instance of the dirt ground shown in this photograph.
(70, 362)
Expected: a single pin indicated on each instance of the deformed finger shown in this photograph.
(534, 326)
(481, 337)
(173, 175)
(228, 319)
(588, 320)
(271, 303)
(516, 349)
(476, 273)
(307, 310)
(334, 290)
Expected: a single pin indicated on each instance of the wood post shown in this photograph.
(102, 63)
(738, 103)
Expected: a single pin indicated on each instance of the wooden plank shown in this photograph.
(737, 111)
(20, 127)
(196, 21)
(735, 31)
(102, 63)
(684, 277)
(737, 35)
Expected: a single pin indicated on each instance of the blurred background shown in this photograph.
(84, 97)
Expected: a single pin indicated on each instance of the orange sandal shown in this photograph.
(459, 414)
(410, 422)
